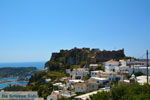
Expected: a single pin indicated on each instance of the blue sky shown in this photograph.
(30, 30)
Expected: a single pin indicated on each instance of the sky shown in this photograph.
(30, 30)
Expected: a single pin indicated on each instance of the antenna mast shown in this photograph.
(147, 61)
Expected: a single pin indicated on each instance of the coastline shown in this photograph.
(38, 65)
(12, 81)
(7, 84)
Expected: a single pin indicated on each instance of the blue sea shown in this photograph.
(9, 79)
(12, 83)
(39, 65)
(3, 85)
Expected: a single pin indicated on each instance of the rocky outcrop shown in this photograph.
(77, 56)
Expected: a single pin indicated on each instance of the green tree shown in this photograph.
(100, 96)
(118, 92)
(138, 74)
(125, 92)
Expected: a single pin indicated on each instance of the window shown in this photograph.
(113, 70)
(92, 86)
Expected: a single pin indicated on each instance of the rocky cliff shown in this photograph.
(78, 56)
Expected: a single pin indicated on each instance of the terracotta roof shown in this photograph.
(111, 61)
(92, 82)
(81, 84)
(81, 69)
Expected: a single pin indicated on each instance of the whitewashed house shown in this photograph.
(123, 68)
(59, 85)
(140, 62)
(101, 74)
(71, 83)
(95, 73)
(68, 71)
(139, 69)
(112, 66)
(100, 81)
(143, 79)
(47, 80)
(123, 62)
(67, 94)
(92, 86)
(55, 95)
(93, 66)
(87, 86)
(80, 88)
(79, 73)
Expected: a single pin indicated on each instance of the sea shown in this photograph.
(2, 86)
(38, 65)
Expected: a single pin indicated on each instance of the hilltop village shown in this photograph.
(78, 74)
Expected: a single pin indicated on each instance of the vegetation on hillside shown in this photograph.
(125, 92)
(16, 88)
(38, 82)
(17, 71)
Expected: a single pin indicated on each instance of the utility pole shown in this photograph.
(133, 66)
(76, 55)
(147, 64)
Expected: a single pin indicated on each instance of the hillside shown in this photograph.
(17, 71)
(76, 56)
(68, 59)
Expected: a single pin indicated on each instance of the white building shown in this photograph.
(47, 80)
(124, 68)
(80, 88)
(139, 69)
(67, 94)
(107, 75)
(123, 62)
(137, 63)
(142, 79)
(116, 67)
(95, 73)
(55, 95)
(112, 66)
(112, 63)
(100, 81)
(92, 86)
(79, 73)
(68, 71)
(59, 85)
(71, 83)
(87, 86)
(93, 66)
